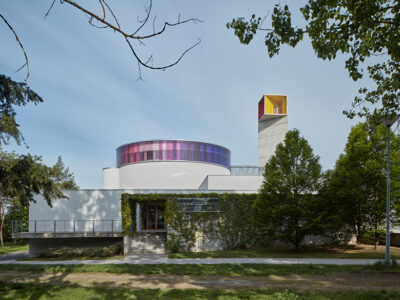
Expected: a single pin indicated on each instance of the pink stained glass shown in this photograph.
(173, 150)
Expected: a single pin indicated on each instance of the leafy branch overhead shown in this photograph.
(361, 30)
(13, 94)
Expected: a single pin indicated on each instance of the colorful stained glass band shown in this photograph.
(173, 150)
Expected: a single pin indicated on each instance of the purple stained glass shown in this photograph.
(173, 150)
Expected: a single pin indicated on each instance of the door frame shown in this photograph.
(145, 207)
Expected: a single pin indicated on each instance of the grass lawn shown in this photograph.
(357, 251)
(202, 270)
(39, 291)
(70, 258)
(10, 247)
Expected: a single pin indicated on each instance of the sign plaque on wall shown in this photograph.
(198, 205)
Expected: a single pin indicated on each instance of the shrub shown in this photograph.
(371, 237)
(286, 295)
(114, 249)
(173, 243)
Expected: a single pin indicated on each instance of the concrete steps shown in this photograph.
(147, 243)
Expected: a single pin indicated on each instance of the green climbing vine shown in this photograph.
(232, 226)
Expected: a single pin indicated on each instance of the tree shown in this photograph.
(13, 94)
(360, 29)
(14, 210)
(62, 177)
(22, 177)
(285, 207)
(18, 210)
(331, 223)
(358, 182)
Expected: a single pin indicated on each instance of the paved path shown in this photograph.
(14, 255)
(163, 259)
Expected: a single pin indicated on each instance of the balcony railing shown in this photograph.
(66, 226)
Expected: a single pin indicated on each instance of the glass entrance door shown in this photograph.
(153, 217)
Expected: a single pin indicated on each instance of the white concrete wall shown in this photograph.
(270, 133)
(111, 178)
(237, 182)
(84, 205)
(99, 205)
(167, 174)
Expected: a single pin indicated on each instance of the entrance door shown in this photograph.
(153, 217)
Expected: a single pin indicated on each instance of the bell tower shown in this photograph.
(272, 125)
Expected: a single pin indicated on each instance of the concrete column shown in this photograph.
(271, 132)
(138, 220)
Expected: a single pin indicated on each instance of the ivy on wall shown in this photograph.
(128, 209)
(233, 225)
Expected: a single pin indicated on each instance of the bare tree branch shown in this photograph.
(130, 37)
(112, 13)
(26, 64)
(166, 24)
(154, 23)
(148, 12)
(144, 64)
(118, 29)
(48, 11)
(94, 19)
(104, 11)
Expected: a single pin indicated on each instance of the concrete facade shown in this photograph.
(111, 178)
(238, 182)
(271, 132)
(167, 174)
(88, 207)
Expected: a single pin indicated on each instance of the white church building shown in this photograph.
(93, 217)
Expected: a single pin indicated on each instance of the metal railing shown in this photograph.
(66, 226)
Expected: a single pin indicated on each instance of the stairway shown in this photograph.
(148, 243)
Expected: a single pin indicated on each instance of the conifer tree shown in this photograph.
(62, 177)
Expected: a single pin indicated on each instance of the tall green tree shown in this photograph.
(62, 177)
(331, 223)
(285, 208)
(22, 177)
(358, 182)
(359, 29)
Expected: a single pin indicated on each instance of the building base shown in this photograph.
(37, 245)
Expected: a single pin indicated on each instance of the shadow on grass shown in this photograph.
(41, 291)
(345, 251)
(202, 269)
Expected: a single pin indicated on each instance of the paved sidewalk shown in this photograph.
(14, 255)
(163, 259)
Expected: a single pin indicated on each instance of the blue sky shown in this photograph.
(93, 103)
